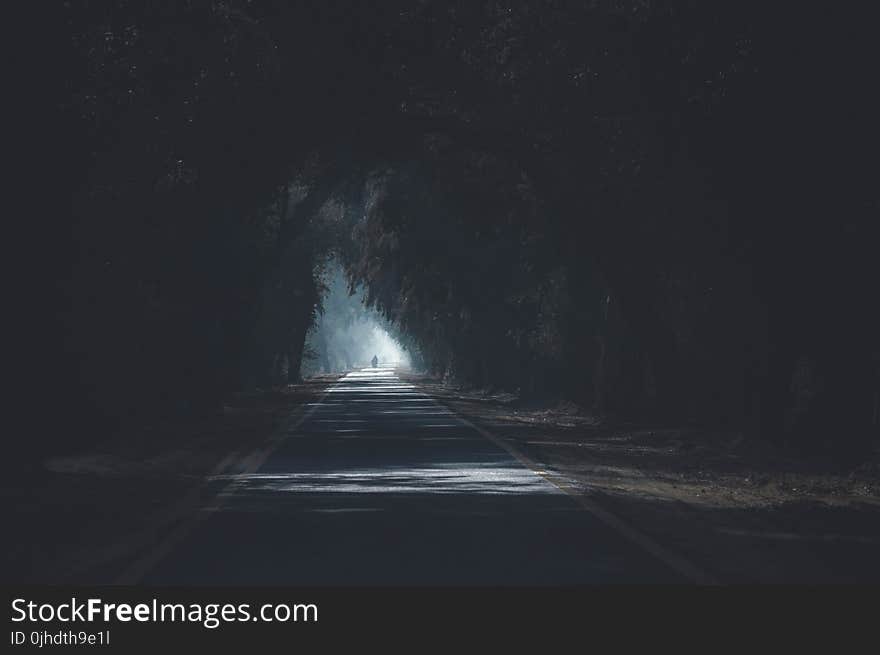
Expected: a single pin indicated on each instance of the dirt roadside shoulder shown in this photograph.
(79, 518)
(741, 511)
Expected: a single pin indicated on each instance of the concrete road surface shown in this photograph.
(380, 485)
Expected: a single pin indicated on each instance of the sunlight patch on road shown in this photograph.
(458, 478)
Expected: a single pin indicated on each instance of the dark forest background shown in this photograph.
(663, 211)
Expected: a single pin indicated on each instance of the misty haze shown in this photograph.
(347, 334)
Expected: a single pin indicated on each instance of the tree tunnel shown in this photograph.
(618, 203)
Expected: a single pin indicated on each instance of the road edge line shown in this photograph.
(676, 562)
(248, 464)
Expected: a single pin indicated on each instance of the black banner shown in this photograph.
(139, 618)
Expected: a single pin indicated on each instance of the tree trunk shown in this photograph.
(295, 354)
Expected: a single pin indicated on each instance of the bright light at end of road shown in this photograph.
(388, 350)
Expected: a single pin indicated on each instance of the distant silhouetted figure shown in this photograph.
(375, 361)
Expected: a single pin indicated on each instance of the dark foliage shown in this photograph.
(660, 210)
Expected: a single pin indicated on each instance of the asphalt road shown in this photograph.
(380, 485)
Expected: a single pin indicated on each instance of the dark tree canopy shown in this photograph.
(662, 211)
